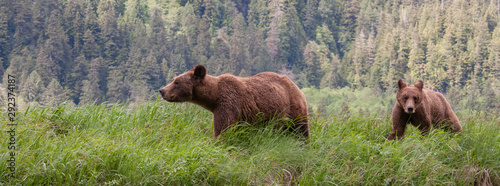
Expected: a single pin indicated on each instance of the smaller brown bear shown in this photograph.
(422, 108)
(231, 98)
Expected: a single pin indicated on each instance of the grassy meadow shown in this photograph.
(160, 143)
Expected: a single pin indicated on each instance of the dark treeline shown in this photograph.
(121, 50)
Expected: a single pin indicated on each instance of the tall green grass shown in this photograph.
(160, 143)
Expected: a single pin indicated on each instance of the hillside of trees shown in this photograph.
(125, 50)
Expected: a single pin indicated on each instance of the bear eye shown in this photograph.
(406, 98)
(415, 98)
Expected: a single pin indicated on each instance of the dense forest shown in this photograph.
(124, 50)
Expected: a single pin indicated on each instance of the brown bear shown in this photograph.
(231, 98)
(422, 108)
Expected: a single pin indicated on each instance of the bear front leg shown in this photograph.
(301, 125)
(222, 120)
(399, 122)
(424, 125)
(455, 123)
(398, 131)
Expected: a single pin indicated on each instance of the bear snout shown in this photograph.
(169, 98)
(410, 109)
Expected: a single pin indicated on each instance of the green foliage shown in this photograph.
(349, 101)
(325, 43)
(156, 143)
(327, 101)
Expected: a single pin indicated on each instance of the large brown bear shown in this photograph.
(232, 99)
(422, 108)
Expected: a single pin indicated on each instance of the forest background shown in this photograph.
(341, 53)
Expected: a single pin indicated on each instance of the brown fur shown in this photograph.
(232, 99)
(422, 108)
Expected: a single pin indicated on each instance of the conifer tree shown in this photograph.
(75, 77)
(202, 48)
(416, 57)
(312, 64)
(492, 69)
(32, 88)
(311, 18)
(331, 78)
(238, 52)
(91, 87)
(325, 36)
(54, 94)
(47, 65)
(73, 24)
(292, 37)
(118, 88)
(358, 60)
(219, 62)
(259, 15)
(90, 18)
(109, 33)
(349, 24)
(90, 49)
(53, 56)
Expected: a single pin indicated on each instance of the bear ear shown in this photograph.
(419, 84)
(401, 84)
(200, 71)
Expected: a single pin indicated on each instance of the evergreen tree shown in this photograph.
(273, 40)
(311, 60)
(258, 14)
(258, 55)
(492, 69)
(21, 65)
(325, 36)
(349, 24)
(492, 99)
(118, 89)
(91, 91)
(90, 49)
(90, 19)
(416, 57)
(331, 78)
(54, 94)
(358, 60)
(311, 18)
(73, 24)
(53, 56)
(158, 34)
(218, 13)
(109, 30)
(370, 47)
(28, 26)
(202, 48)
(47, 65)
(292, 37)
(219, 62)
(78, 73)
(434, 72)
(238, 52)
(32, 88)
(140, 91)
(153, 71)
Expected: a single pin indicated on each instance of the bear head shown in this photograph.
(410, 97)
(181, 88)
